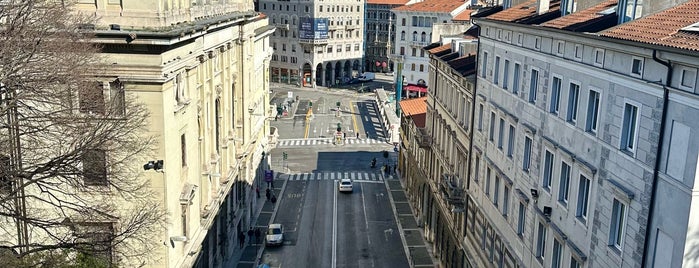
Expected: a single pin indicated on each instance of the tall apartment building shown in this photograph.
(414, 30)
(316, 42)
(582, 139)
(202, 71)
(380, 38)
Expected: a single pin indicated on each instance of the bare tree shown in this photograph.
(69, 140)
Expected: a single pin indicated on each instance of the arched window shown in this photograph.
(415, 36)
(422, 37)
(402, 36)
(402, 22)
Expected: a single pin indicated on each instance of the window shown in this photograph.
(476, 169)
(94, 163)
(574, 263)
(480, 117)
(560, 47)
(637, 67)
(628, 130)
(117, 97)
(293, 48)
(356, 47)
(511, 141)
(185, 219)
(555, 95)
(533, 84)
(422, 53)
(183, 150)
(402, 22)
(583, 196)
(599, 57)
(616, 232)
(402, 50)
(557, 252)
(689, 78)
(95, 239)
(91, 99)
(548, 170)
(283, 47)
(496, 76)
(414, 52)
(330, 49)
(496, 190)
(412, 67)
(537, 42)
(484, 64)
(578, 52)
(402, 36)
(541, 242)
(515, 78)
(563, 184)
(527, 153)
(592, 111)
(521, 218)
(506, 200)
(501, 133)
(348, 47)
(505, 74)
(573, 94)
(422, 67)
(492, 126)
(320, 8)
(487, 181)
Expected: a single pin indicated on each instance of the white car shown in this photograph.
(345, 185)
(275, 235)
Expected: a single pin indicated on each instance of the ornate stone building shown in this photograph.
(202, 69)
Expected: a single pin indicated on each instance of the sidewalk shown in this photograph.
(248, 256)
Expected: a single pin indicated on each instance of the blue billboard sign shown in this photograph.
(313, 28)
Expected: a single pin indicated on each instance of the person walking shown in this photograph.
(251, 232)
(257, 235)
(257, 191)
(357, 135)
(241, 239)
(267, 193)
(274, 199)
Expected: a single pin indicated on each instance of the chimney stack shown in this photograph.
(542, 6)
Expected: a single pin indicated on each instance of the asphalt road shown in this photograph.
(325, 228)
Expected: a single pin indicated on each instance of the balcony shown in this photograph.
(424, 140)
(451, 192)
(419, 43)
(305, 41)
(283, 26)
(351, 27)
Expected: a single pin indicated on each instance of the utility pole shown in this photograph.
(8, 100)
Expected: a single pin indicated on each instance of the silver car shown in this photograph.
(275, 235)
(345, 185)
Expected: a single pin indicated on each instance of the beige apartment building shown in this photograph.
(201, 67)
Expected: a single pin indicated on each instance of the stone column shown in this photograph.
(313, 77)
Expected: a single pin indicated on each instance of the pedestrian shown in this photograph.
(257, 191)
(366, 132)
(274, 199)
(357, 135)
(344, 135)
(267, 193)
(241, 239)
(394, 168)
(257, 235)
(271, 183)
(251, 232)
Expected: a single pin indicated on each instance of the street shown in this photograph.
(325, 228)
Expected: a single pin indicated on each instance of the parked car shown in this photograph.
(275, 235)
(345, 185)
(354, 80)
(366, 77)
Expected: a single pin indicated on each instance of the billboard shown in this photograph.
(313, 28)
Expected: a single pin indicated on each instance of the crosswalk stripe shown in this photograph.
(373, 176)
(311, 176)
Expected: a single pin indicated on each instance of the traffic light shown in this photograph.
(339, 127)
(337, 104)
(310, 104)
(284, 155)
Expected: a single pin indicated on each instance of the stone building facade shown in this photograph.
(202, 69)
(380, 39)
(316, 42)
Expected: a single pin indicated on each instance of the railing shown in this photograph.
(452, 192)
(419, 43)
(313, 41)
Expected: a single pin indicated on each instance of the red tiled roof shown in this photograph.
(432, 6)
(416, 109)
(581, 16)
(523, 11)
(387, 2)
(463, 16)
(440, 49)
(663, 28)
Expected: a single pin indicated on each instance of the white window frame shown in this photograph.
(592, 121)
(541, 241)
(521, 218)
(555, 101)
(501, 133)
(496, 70)
(642, 64)
(484, 65)
(516, 78)
(533, 84)
(527, 154)
(505, 74)
(491, 129)
(511, 135)
(683, 72)
(573, 102)
(624, 130)
(597, 61)
(617, 226)
(556, 253)
(583, 208)
(564, 184)
(520, 37)
(578, 53)
(560, 48)
(537, 42)
(547, 169)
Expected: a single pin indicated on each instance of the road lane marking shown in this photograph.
(354, 117)
(334, 236)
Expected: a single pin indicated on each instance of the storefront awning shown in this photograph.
(416, 88)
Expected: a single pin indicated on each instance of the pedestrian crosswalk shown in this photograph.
(319, 176)
(324, 141)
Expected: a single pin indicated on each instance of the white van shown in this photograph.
(366, 77)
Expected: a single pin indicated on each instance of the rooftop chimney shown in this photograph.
(542, 6)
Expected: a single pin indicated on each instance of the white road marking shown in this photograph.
(334, 235)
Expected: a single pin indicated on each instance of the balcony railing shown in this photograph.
(419, 43)
(313, 41)
(451, 191)
(424, 139)
(284, 26)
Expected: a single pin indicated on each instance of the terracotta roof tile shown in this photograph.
(387, 2)
(524, 12)
(463, 16)
(415, 108)
(432, 6)
(439, 49)
(663, 28)
(587, 16)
